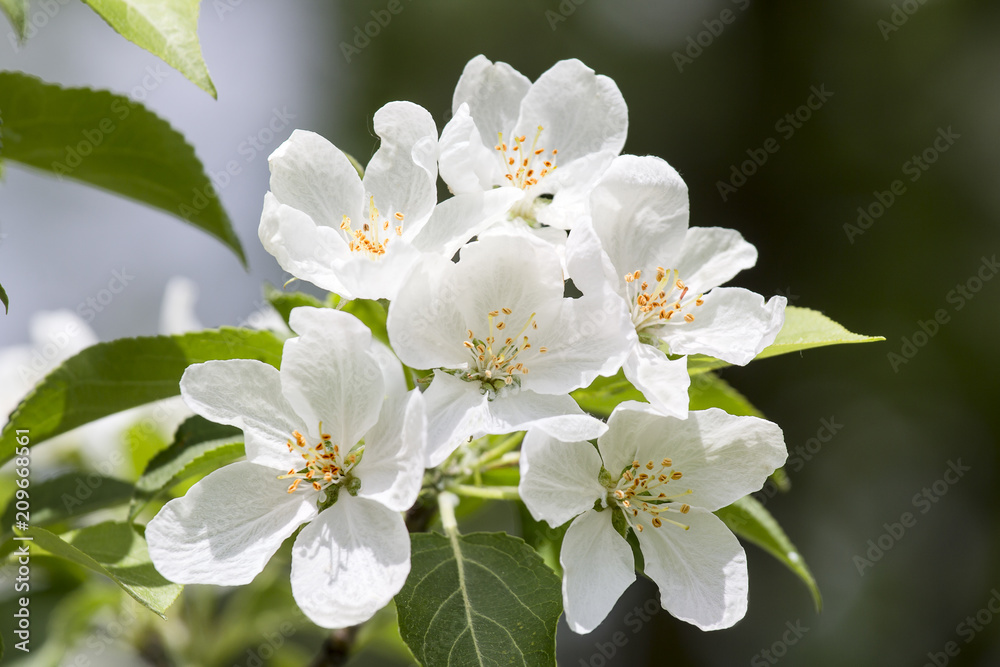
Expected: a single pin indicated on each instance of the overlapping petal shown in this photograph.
(722, 457)
(227, 526)
(734, 325)
(349, 562)
(597, 568)
(701, 572)
(558, 479)
(245, 393)
(329, 375)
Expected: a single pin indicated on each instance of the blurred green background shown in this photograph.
(707, 84)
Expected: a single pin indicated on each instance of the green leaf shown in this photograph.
(543, 538)
(708, 390)
(3, 297)
(605, 393)
(111, 377)
(373, 314)
(199, 447)
(17, 13)
(748, 519)
(285, 302)
(478, 599)
(166, 28)
(804, 328)
(64, 497)
(111, 142)
(117, 551)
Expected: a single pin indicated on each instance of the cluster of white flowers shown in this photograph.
(573, 262)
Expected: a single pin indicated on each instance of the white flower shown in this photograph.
(663, 477)
(359, 237)
(640, 245)
(553, 137)
(334, 423)
(507, 346)
(58, 335)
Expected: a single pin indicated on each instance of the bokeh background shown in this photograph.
(706, 81)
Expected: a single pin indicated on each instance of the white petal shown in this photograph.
(701, 572)
(392, 370)
(571, 186)
(392, 469)
(364, 278)
(722, 457)
(177, 313)
(587, 263)
(581, 112)
(558, 479)
(306, 250)
(458, 219)
(589, 336)
(711, 256)
(516, 271)
(557, 415)
(733, 324)
(227, 526)
(456, 412)
(63, 330)
(662, 381)
(349, 562)
(402, 174)
(493, 92)
(425, 324)
(329, 374)
(312, 175)
(467, 164)
(597, 568)
(246, 393)
(640, 213)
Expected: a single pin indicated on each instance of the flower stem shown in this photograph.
(489, 492)
(508, 459)
(505, 446)
(446, 506)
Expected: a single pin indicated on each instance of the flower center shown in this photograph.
(666, 302)
(495, 358)
(324, 463)
(640, 491)
(525, 165)
(369, 239)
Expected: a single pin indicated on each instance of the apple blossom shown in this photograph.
(638, 244)
(549, 140)
(661, 477)
(506, 346)
(333, 440)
